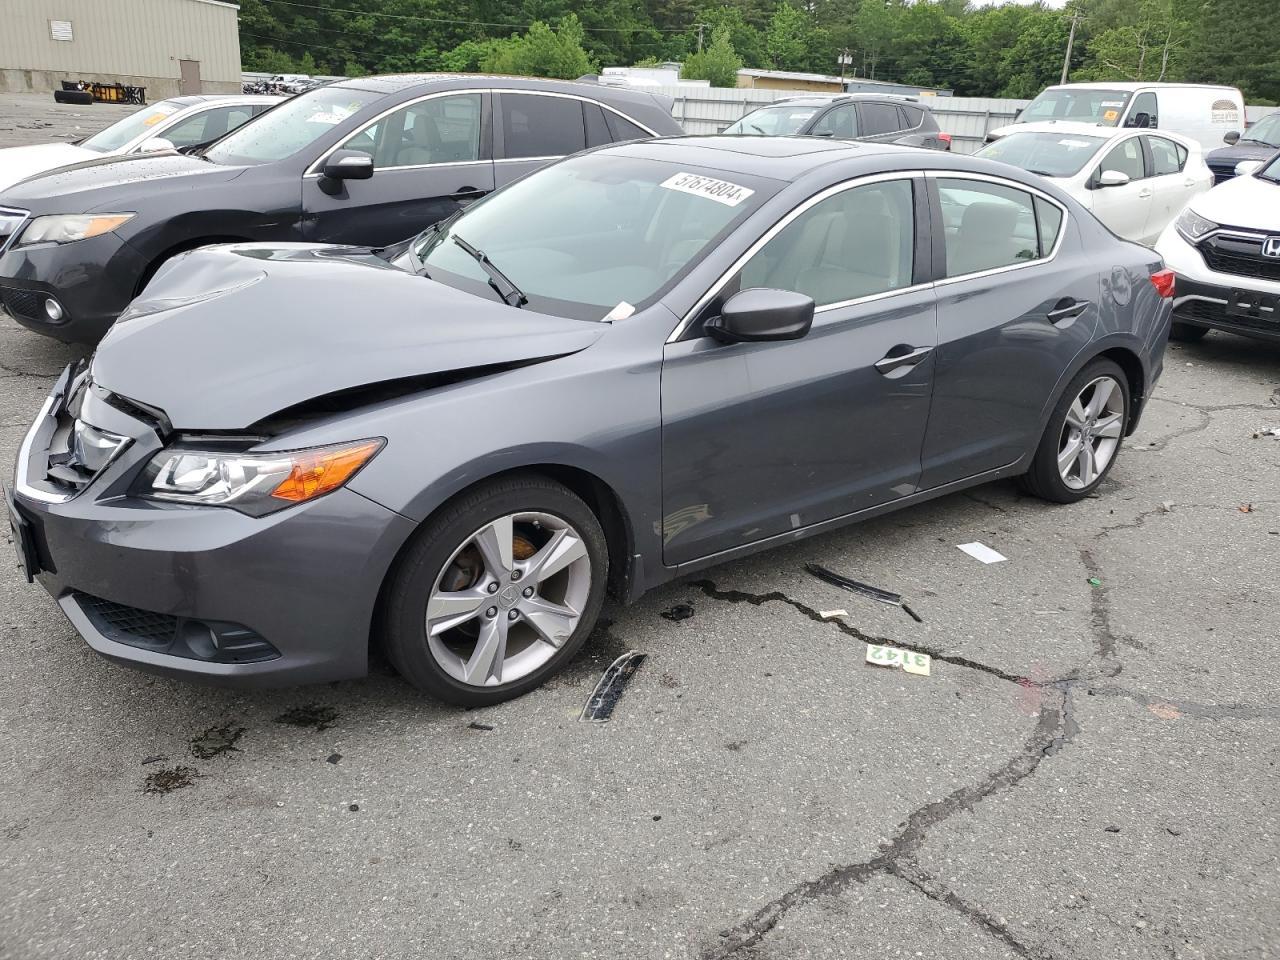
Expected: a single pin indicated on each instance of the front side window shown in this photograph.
(1166, 156)
(840, 122)
(439, 130)
(779, 121)
(987, 226)
(857, 243)
(878, 118)
(1143, 113)
(291, 127)
(584, 235)
(1072, 103)
(1126, 158)
(131, 127)
(1046, 154)
(537, 126)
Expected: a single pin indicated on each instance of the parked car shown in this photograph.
(852, 116)
(646, 359)
(1134, 182)
(164, 125)
(1258, 142)
(1225, 250)
(1199, 112)
(368, 161)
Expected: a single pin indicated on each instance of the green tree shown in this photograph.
(786, 40)
(718, 63)
(1146, 47)
(874, 26)
(542, 52)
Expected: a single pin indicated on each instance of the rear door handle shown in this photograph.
(897, 361)
(467, 193)
(1066, 310)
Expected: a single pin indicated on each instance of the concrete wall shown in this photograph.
(136, 42)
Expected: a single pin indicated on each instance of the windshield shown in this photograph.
(1270, 170)
(1048, 154)
(1069, 103)
(131, 127)
(293, 125)
(780, 121)
(1265, 131)
(594, 235)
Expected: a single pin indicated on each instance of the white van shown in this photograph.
(1203, 112)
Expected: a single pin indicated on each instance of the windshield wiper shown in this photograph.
(1261, 143)
(1041, 173)
(511, 295)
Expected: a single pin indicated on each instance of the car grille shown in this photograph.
(1239, 256)
(25, 304)
(1211, 312)
(11, 222)
(212, 640)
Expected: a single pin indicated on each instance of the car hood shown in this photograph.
(1242, 151)
(18, 163)
(1240, 202)
(84, 187)
(226, 336)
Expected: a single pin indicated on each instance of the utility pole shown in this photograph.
(844, 60)
(700, 26)
(1066, 61)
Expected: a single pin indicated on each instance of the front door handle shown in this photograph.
(1144, 194)
(900, 357)
(467, 193)
(1067, 309)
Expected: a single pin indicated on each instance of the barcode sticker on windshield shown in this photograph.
(1075, 144)
(721, 191)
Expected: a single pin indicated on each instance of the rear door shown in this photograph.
(1017, 301)
(759, 439)
(1171, 185)
(431, 157)
(1125, 209)
(534, 129)
(879, 121)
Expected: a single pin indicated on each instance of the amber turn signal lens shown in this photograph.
(316, 472)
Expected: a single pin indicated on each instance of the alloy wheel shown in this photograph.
(508, 598)
(1091, 433)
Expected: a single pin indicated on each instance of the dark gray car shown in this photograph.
(368, 161)
(1259, 142)
(852, 116)
(640, 361)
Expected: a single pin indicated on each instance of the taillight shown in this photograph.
(945, 138)
(1163, 281)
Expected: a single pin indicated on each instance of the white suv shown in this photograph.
(1225, 249)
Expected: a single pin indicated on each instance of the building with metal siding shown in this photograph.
(167, 46)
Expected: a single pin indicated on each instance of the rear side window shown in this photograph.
(854, 244)
(1166, 156)
(987, 226)
(913, 117)
(620, 128)
(1127, 158)
(879, 118)
(538, 126)
(597, 130)
(1049, 224)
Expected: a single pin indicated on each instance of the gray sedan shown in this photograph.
(635, 363)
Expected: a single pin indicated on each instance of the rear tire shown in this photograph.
(1187, 332)
(496, 592)
(1093, 411)
(81, 97)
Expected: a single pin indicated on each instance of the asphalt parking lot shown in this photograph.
(1089, 771)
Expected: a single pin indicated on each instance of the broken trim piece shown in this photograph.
(855, 586)
(605, 696)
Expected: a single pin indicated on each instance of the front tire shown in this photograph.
(1083, 437)
(497, 592)
(1187, 332)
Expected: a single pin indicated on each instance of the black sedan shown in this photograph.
(640, 361)
(369, 161)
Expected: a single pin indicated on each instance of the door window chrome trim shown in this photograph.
(558, 156)
(687, 320)
(1012, 185)
(313, 171)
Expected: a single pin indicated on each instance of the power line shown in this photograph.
(463, 23)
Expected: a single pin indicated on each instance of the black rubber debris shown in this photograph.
(1113, 829)
(599, 706)
(354, 808)
(681, 611)
(334, 757)
(855, 586)
(155, 759)
(473, 725)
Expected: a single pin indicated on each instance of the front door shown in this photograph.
(761, 439)
(189, 71)
(1124, 208)
(430, 159)
(534, 130)
(1016, 303)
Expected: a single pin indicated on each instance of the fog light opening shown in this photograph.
(53, 310)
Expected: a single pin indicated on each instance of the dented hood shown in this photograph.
(225, 336)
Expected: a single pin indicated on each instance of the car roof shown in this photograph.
(783, 158)
(395, 83)
(1131, 86)
(817, 100)
(191, 100)
(1079, 128)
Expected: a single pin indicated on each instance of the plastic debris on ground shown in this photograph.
(1246, 508)
(1095, 582)
(908, 660)
(1166, 507)
(832, 614)
(681, 611)
(855, 586)
(980, 551)
(599, 706)
(1268, 432)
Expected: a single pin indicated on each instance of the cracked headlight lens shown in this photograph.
(254, 483)
(1193, 226)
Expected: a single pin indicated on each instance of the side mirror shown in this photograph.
(155, 145)
(1112, 178)
(1246, 167)
(348, 165)
(1232, 138)
(758, 314)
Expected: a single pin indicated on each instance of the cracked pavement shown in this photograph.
(1090, 771)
